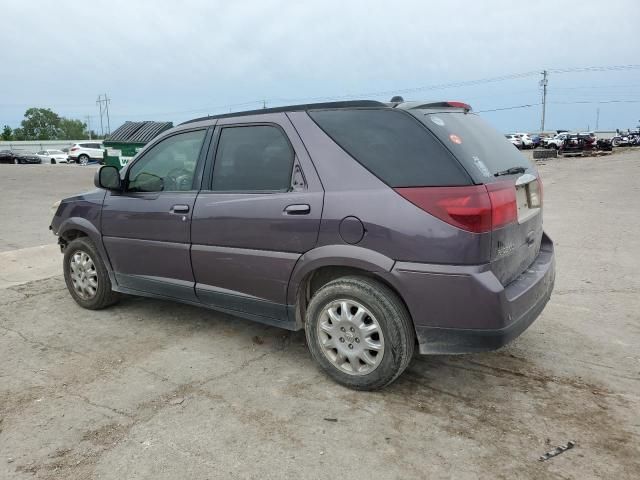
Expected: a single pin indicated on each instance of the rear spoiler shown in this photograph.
(423, 105)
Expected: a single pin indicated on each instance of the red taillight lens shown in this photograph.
(475, 208)
(503, 204)
(468, 207)
(74, 149)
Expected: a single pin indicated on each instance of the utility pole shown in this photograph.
(88, 117)
(543, 84)
(99, 103)
(107, 100)
(597, 118)
(104, 109)
(264, 104)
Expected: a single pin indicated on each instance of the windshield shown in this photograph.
(479, 147)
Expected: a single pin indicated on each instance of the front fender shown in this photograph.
(338, 256)
(90, 230)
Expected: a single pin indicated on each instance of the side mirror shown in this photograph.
(108, 177)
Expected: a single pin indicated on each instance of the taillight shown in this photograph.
(74, 149)
(474, 208)
(504, 209)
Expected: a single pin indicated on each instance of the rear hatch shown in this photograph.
(493, 161)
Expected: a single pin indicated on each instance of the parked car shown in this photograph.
(7, 156)
(515, 140)
(25, 157)
(577, 144)
(527, 142)
(536, 140)
(86, 152)
(364, 225)
(556, 141)
(52, 156)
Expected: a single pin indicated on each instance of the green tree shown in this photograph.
(7, 133)
(41, 124)
(18, 134)
(71, 129)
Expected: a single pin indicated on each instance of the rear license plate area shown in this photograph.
(526, 201)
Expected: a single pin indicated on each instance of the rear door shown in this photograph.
(146, 228)
(260, 211)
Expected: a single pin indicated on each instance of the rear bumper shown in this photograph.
(464, 309)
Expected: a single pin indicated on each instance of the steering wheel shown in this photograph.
(178, 179)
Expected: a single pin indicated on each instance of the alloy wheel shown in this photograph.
(350, 337)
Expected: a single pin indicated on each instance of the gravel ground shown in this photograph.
(151, 389)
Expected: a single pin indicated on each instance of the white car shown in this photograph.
(515, 139)
(527, 142)
(557, 141)
(52, 156)
(86, 152)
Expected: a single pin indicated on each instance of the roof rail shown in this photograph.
(295, 108)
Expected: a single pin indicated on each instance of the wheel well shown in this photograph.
(69, 236)
(316, 279)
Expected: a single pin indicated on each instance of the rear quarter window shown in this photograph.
(393, 146)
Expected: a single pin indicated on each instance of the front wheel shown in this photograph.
(359, 332)
(83, 160)
(86, 276)
(16, 161)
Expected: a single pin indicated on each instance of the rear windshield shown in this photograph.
(393, 146)
(480, 148)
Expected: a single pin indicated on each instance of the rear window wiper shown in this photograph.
(510, 171)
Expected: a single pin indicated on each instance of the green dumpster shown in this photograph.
(128, 139)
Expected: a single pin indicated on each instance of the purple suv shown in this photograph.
(375, 227)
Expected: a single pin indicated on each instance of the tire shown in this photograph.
(83, 160)
(379, 309)
(16, 161)
(92, 295)
(53, 161)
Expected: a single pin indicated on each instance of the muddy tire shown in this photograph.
(86, 276)
(359, 332)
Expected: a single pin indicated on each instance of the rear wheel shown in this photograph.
(86, 275)
(16, 161)
(83, 159)
(359, 332)
(53, 161)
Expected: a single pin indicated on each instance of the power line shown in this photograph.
(515, 107)
(509, 108)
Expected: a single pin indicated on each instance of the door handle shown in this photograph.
(298, 209)
(180, 209)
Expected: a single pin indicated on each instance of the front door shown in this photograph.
(260, 211)
(146, 228)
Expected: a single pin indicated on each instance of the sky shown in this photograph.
(172, 61)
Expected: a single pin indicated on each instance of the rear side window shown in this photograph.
(253, 158)
(393, 146)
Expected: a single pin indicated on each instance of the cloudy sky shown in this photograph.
(160, 60)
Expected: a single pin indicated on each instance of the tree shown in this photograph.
(18, 134)
(7, 133)
(41, 124)
(71, 129)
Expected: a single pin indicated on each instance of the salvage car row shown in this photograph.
(80, 153)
